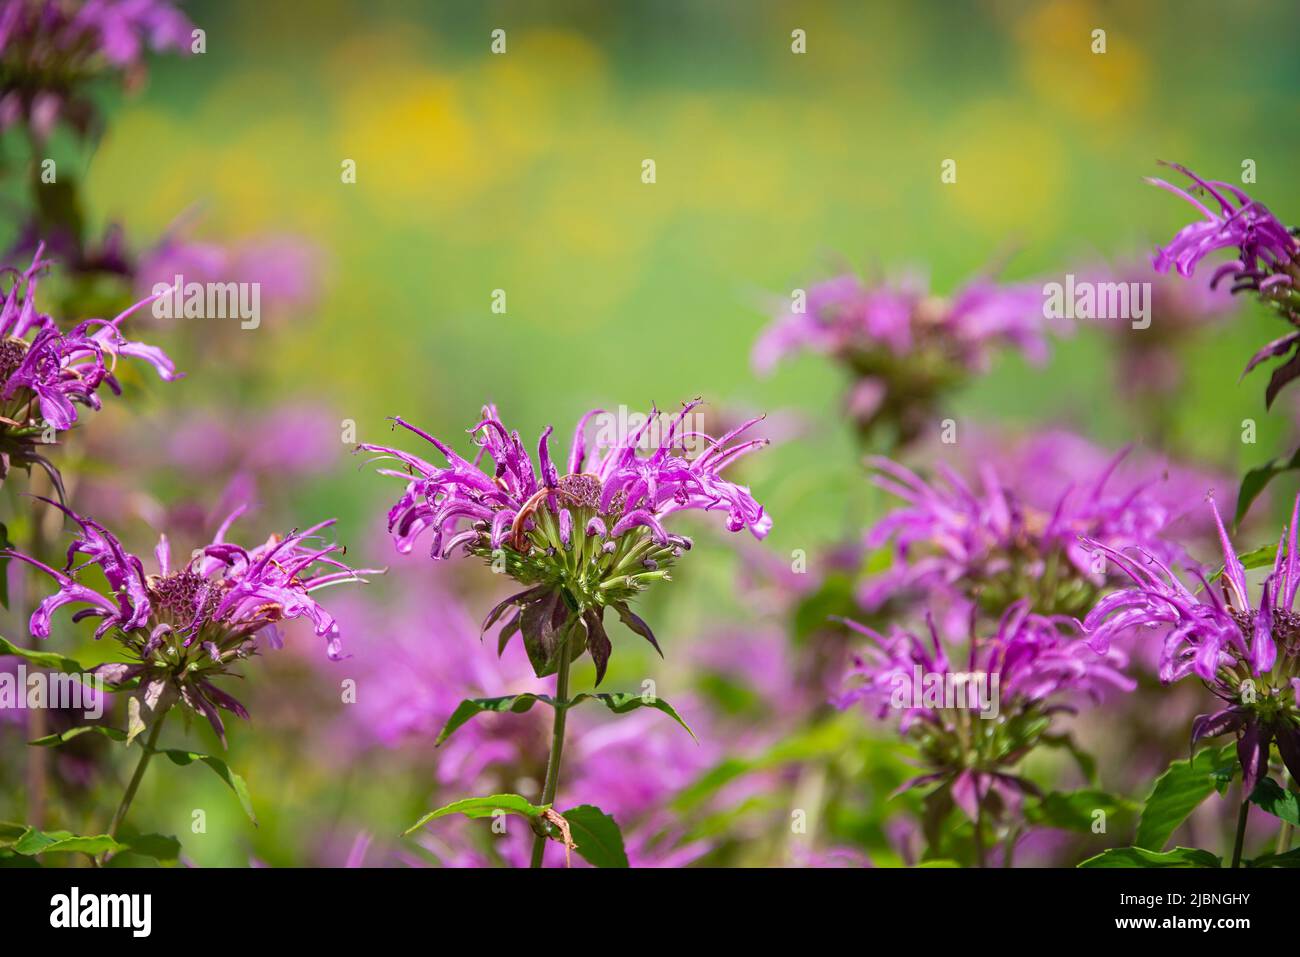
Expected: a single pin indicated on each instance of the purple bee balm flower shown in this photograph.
(182, 627)
(580, 542)
(904, 347)
(1247, 654)
(989, 544)
(974, 714)
(1267, 261)
(48, 48)
(45, 373)
(286, 268)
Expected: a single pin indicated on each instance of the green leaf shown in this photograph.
(45, 659)
(163, 848)
(1254, 481)
(1141, 857)
(598, 839)
(34, 842)
(1287, 859)
(483, 807)
(618, 702)
(10, 831)
(1262, 557)
(621, 702)
(472, 707)
(1269, 795)
(222, 770)
(1075, 810)
(1178, 792)
(54, 740)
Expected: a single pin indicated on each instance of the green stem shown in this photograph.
(557, 749)
(134, 784)
(1241, 832)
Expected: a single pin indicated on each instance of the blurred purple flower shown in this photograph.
(994, 542)
(904, 347)
(287, 268)
(975, 715)
(48, 48)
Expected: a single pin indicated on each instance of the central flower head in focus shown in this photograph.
(584, 541)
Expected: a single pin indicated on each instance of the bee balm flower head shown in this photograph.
(583, 541)
(1247, 653)
(183, 626)
(46, 372)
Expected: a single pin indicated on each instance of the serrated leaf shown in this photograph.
(597, 836)
(618, 702)
(1272, 798)
(1178, 792)
(483, 807)
(54, 740)
(1141, 857)
(222, 770)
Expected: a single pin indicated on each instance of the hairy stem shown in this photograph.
(557, 750)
